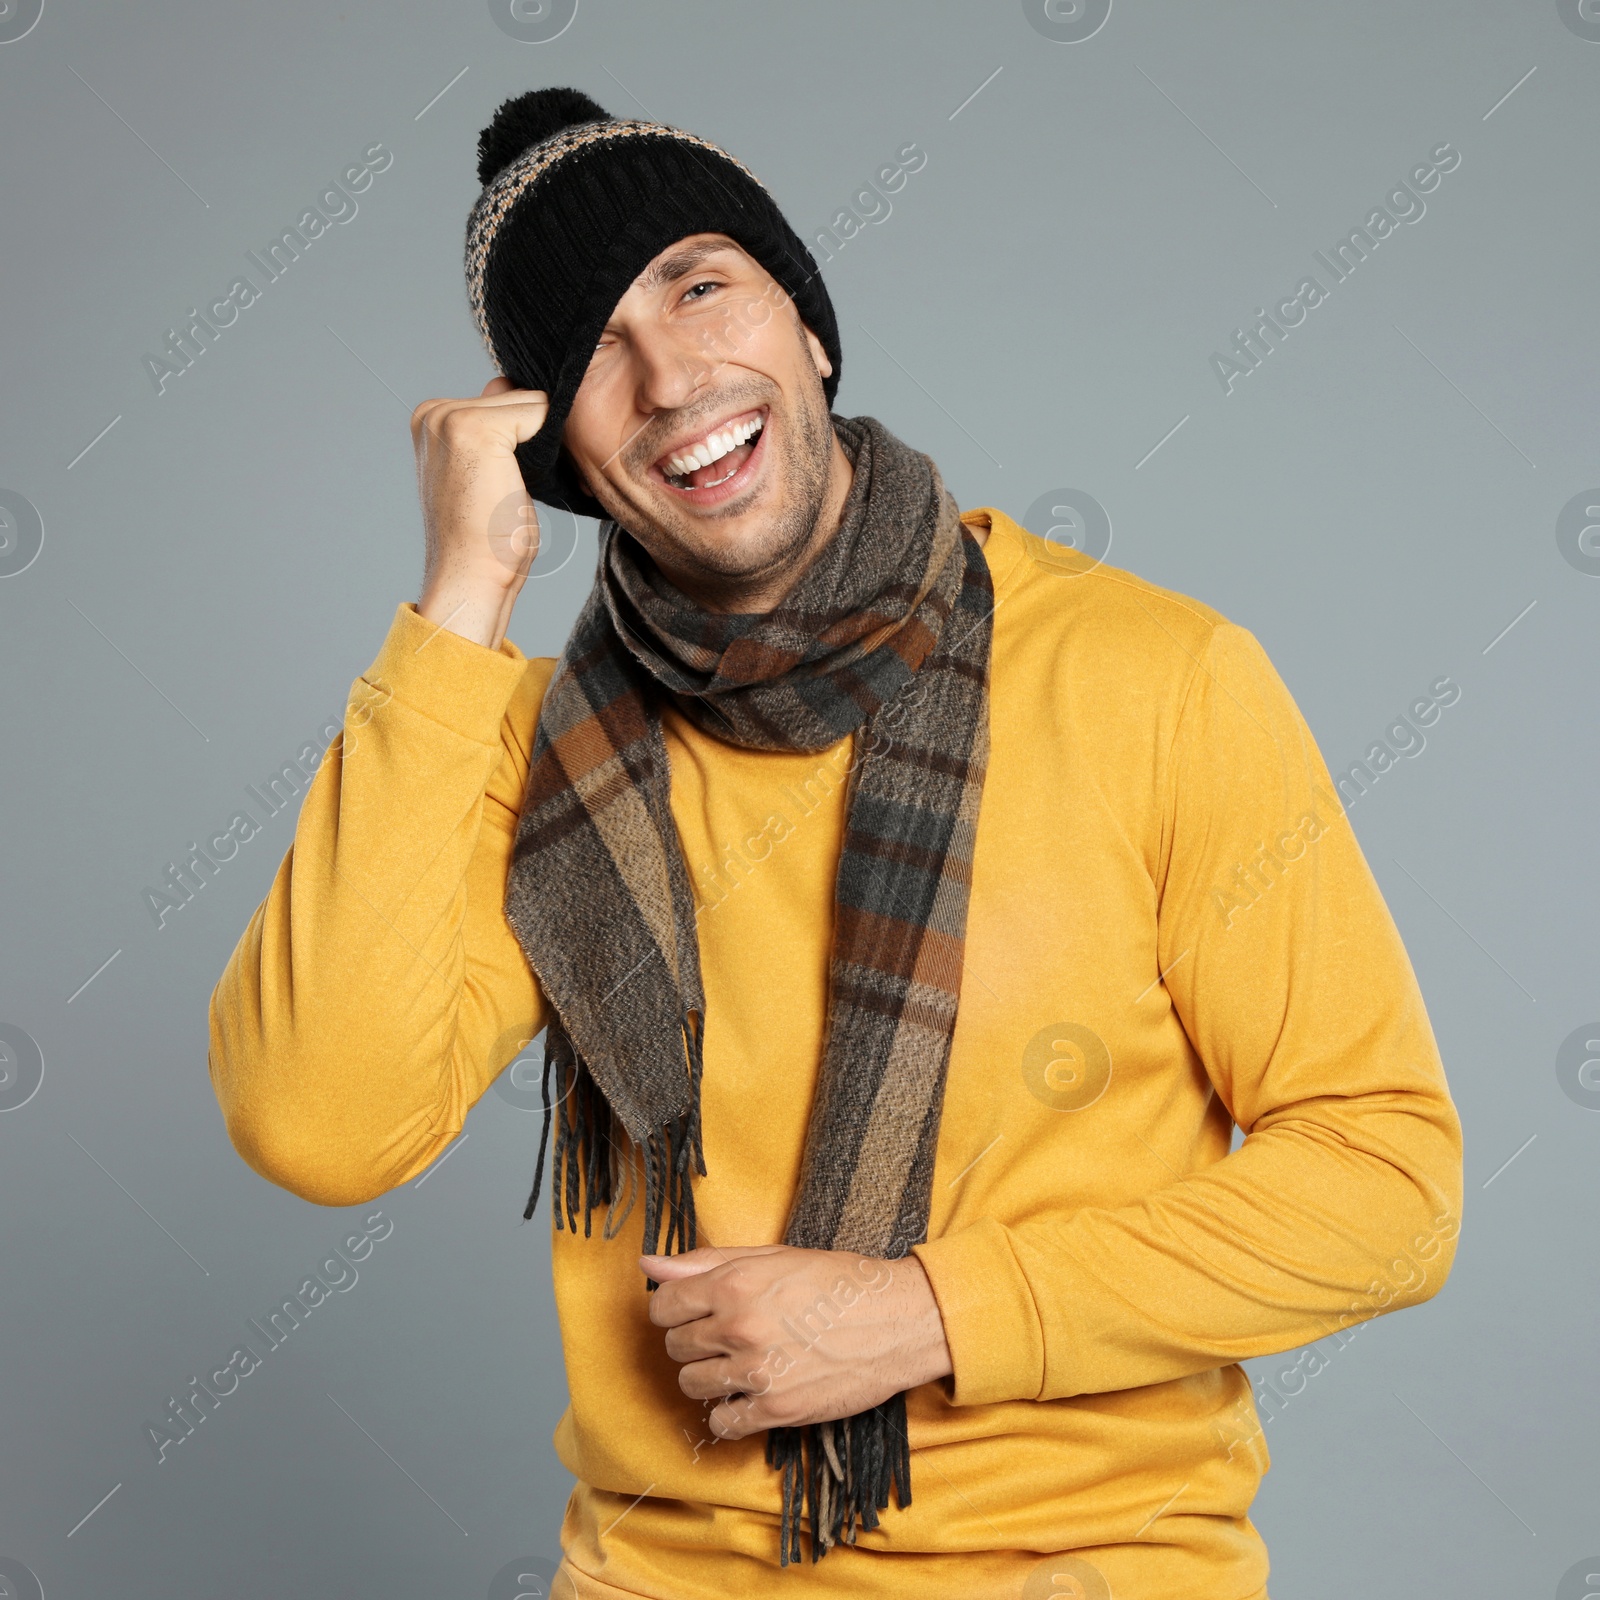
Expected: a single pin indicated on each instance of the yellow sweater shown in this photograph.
(1172, 928)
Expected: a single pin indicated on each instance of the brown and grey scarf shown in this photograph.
(886, 636)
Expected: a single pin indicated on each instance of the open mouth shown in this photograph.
(717, 458)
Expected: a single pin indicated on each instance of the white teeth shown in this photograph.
(713, 448)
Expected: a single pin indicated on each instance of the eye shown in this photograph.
(693, 291)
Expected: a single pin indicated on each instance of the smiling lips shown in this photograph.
(712, 460)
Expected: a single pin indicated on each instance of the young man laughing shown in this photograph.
(912, 908)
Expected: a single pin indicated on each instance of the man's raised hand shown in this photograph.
(481, 531)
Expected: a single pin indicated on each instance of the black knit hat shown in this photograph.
(575, 204)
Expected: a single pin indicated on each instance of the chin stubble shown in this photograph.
(804, 490)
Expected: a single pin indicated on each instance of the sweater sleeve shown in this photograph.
(378, 990)
(1290, 980)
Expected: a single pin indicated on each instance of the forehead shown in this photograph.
(687, 255)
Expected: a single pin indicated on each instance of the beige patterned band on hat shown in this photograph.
(511, 182)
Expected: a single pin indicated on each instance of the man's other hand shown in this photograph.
(785, 1337)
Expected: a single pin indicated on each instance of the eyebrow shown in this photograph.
(679, 265)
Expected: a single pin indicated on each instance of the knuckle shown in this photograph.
(455, 425)
(742, 1328)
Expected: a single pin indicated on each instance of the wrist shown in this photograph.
(476, 608)
(929, 1349)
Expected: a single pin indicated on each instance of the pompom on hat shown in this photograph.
(575, 204)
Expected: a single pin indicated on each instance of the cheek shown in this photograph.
(595, 435)
(601, 418)
(779, 349)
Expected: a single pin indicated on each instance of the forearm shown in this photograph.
(359, 1017)
(1298, 1233)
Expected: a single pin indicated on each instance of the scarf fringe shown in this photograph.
(839, 1475)
(590, 1153)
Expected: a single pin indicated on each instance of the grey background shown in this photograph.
(1377, 503)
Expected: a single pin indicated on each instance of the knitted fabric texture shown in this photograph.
(886, 636)
(564, 227)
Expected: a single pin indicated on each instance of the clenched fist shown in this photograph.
(480, 526)
(786, 1336)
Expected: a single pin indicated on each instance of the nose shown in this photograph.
(671, 367)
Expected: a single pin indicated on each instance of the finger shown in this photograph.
(687, 1300)
(710, 1380)
(704, 1259)
(738, 1417)
(695, 1341)
(520, 413)
(668, 1269)
(523, 411)
(684, 1300)
(509, 397)
(498, 391)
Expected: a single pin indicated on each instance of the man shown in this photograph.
(912, 907)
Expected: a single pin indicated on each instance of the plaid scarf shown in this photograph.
(885, 636)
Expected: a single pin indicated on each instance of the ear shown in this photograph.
(818, 354)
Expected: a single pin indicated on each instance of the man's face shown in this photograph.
(701, 425)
